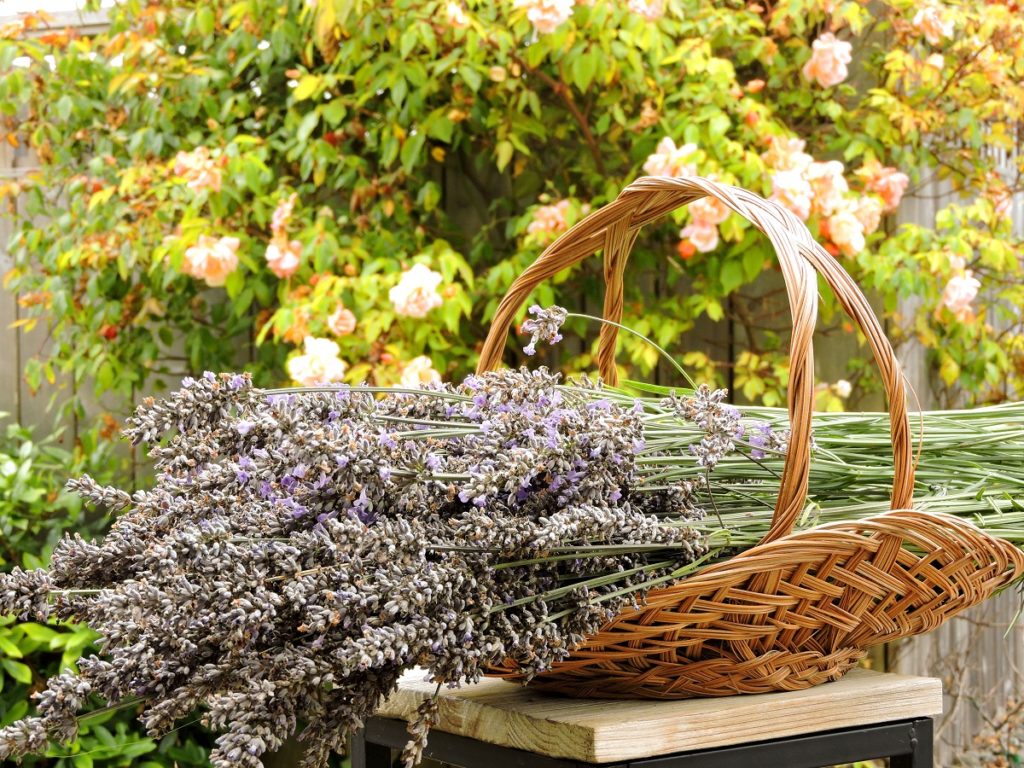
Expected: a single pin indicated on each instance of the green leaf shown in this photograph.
(10, 649)
(753, 263)
(20, 672)
(234, 284)
(307, 125)
(713, 309)
(473, 78)
(584, 67)
(205, 21)
(718, 125)
(398, 91)
(731, 276)
(307, 87)
(63, 107)
(409, 39)
(38, 632)
(411, 149)
(101, 197)
(440, 127)
(503, 153)
(334, 111)
(17, 711)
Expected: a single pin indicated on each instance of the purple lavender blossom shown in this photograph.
(544, 326)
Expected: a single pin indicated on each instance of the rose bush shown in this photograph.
(230, 178)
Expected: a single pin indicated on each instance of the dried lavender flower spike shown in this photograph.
(544, 326)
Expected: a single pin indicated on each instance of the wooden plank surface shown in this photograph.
(602, 731)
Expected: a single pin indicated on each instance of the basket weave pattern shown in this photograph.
(797, 609)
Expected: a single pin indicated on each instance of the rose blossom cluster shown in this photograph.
(811, 188)
(212, 259)
(549, 220)
(652, 10)
(546, 15)
(670, 160)
(342, 321)
(705, 216)
(283, 255)
(199, 169)
(416, 293)
(829, 60)
(419, 372)
(888, 183)
(318, 363)
(934, 22)
(960, 291)
(455, 15)
(299, 551)
(701, 233)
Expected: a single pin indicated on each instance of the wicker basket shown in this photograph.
(798, 609)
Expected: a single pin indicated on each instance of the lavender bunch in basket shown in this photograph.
(299, 551)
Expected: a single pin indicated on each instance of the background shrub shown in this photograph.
(465, 136)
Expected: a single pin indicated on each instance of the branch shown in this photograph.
(565, 93)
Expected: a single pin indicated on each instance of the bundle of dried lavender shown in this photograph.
(299, 551)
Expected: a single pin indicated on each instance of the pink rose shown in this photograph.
(827, 185)
(546, 15)
(199, 169)
(670, 160)
(549, 219)
(791, 190)
(342, 322)
(888, 182)
(652, 10)
(284, 257)
(959, 293)
(283, 215)
(212, 259)
(828, 61)
(703, 236)
(708, 211)
(846, 231)
(868, 211)
(932, 22)
(787, 154)
(456, 16)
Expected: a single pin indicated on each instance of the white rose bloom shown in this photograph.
(419, 371)
(416, 293)
(319, 363)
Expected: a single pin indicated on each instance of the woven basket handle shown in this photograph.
(614, 228)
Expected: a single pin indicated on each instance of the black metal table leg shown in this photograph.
(366, 754)
(922, 735)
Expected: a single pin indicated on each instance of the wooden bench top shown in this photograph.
(602, 731)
